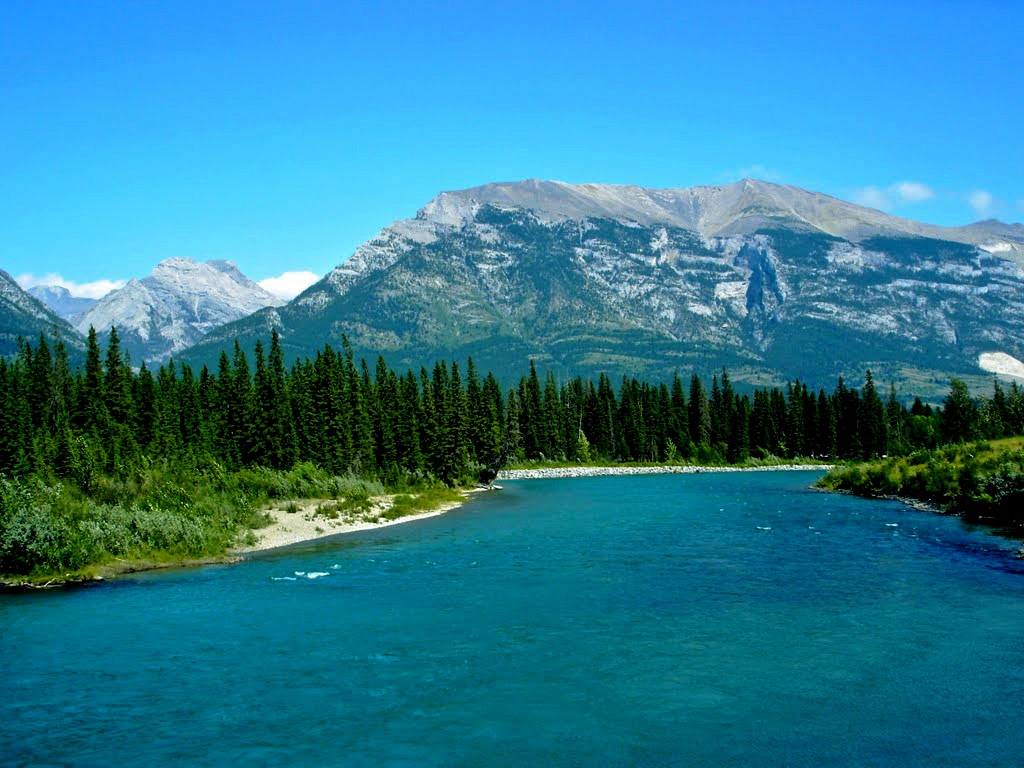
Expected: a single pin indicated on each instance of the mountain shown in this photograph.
(60, 300)
(773, 281)
(23, 315)
(175, 306)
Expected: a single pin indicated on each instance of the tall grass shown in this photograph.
(163, 511)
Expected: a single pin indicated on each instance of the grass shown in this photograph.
(163, 513)
(981, 481)
(405, 504)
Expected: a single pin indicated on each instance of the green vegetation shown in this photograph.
(162, 513)
(405, 505)
(105, 462)
(982, 481)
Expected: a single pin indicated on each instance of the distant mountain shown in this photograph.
(60, 300)
(773, 281)
(23, 315)
(175, 306)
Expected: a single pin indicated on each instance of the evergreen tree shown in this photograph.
(407, 440)
(959, 414)
(92, 402)
(699, 413)
(873, 437)
(144, 397)
(826, 445)
(239, 417)
(385, 419)
(679, 420)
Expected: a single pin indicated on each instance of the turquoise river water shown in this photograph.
(713, 619)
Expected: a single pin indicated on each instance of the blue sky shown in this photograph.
(281, 135)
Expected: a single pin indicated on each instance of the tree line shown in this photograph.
(107, 418)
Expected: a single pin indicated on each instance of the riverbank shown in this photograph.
(682, 469)
(982, 482)
(295, 522)
(290, 522)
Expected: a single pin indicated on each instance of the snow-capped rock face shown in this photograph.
(772, 281)
(23, 315)
(60, 300)
(175, 306)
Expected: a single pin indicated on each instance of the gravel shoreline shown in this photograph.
(533, 474)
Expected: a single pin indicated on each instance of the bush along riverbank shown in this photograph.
(172, 514)
(983, 482)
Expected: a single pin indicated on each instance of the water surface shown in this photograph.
(710, 619)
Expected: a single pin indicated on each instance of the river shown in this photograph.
(712, 619)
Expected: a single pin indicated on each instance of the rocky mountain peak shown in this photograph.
(176, 305)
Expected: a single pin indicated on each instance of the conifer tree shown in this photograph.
(552, 439)
(407, 438)
(117, 383)
(240, 408)
(679, 420)
(873, 432)
(285, 453)
(92, 401)
(430, 440)
(385, 418)
(489, 421)
(144, 397)
(700, 413)
(189, 414)
(959, 418)
(826, 443)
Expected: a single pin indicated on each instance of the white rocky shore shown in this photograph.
(529, 474)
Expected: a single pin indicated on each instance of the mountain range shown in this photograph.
(59, 299)
(773, 281)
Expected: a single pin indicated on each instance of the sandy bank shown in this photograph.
(530, 474)
(308, 522)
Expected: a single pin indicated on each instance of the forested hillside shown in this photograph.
(106, 419)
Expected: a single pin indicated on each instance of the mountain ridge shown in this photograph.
(710, 210)
(586, 278)
(23, 315)
(60, 300)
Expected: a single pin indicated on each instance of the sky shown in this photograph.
(282, 135)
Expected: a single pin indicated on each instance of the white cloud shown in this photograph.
(894, 195)
(982, 202)
(913, 191)
(1020, 205)
(288, 285)
(96, 289)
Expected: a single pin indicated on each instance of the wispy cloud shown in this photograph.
(756, 171)
(894, 195)
(913, 192)
(288, 285)
(983, 202)
(96, 289)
